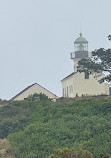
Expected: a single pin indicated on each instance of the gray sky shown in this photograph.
(36, 38)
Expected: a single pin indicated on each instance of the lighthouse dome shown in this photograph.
(81, 40)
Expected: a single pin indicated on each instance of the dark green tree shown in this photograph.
(101, 61)
(36, 97)
(109, 37)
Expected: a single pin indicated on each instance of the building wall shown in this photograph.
(82, 86)
(68, 87)
(34, 89)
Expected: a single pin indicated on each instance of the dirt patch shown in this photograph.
(5, 149)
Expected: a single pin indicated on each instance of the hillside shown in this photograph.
(35, 129)
(5, 149)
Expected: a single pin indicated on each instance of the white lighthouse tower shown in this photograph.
(80, 50)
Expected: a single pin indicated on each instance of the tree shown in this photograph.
(36, 97)
(70, 153)
(109, 37)
(105, 155)
(101, 61)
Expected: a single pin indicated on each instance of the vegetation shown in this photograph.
(5, 149)
(36, 97)
(109, 37)
(35, 128)
(3, 102)
(70, 153)
(12, 119)
(100, 62)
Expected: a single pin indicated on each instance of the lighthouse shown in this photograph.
(80, 50)
(82, 84)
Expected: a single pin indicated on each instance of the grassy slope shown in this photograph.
(43, 126)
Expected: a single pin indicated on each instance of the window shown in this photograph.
(71, 89)
(86, 75)
(63, 92)
(109, 90)
(67, 92)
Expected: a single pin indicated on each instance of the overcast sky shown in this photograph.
(37, 36)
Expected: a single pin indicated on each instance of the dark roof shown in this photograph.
(28, 88)
(69, 76)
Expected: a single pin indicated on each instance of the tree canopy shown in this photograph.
(71, 153)
(100, 62)
(35, 128)
(109, 37)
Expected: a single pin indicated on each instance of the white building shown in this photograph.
(79, 84)
(32, 89)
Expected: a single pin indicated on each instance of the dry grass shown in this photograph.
(5, 149)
